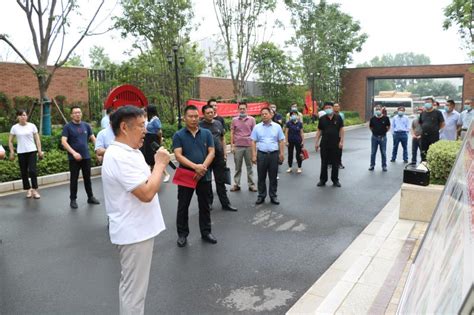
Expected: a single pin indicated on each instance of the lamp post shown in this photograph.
(176, 74)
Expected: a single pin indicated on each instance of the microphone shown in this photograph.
(155, 146)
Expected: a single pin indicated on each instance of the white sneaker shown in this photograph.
(166, 178)
(299, 171)
(289, 170)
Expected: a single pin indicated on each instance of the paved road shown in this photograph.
(57, 261)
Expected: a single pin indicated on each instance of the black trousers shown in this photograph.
(267, 163)
(74, 168)
(427, 140)
(291, 147)
(184, 199)
(329, 155)
(339, 155)
(218, 168)
(27, 162)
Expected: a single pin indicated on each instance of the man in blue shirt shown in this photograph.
(75, 137)
(400, 128)
(194, 150)
(267, 152)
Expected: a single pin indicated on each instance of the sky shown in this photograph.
(393, 26)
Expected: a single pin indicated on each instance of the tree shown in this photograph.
(425, 87)
(397, 60)
(327, 37)
(460, 13)
(239, 22)
(74, 61)
(49, 22)
(98, 58)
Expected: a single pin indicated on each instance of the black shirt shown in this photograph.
(379, 125)
(217, 131)
(430, 121)
(330, 129)
(221, 120)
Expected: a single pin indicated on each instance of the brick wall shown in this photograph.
(18, 80)
(215, 87)
(354, 81)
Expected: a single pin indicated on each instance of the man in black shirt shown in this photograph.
(431, 121)
(219, 163)
(379, 124)
(220, 119)
(331, 134)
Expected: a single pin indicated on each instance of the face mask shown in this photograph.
(329, 111)
(400, 114)
(242, 115)
(467, 107)
(428, 106)
(294, 117)
(293, 108)
(378, 113)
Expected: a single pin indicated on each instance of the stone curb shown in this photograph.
(16, 185)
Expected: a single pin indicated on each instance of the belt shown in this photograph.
(400, 131)
(270, 152)
(463, 129)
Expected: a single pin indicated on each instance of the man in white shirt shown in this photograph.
(132, 204)
(451, 118)
(466, 117)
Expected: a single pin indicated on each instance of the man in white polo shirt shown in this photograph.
(132, 204)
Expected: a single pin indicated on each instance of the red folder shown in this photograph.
(184, 177)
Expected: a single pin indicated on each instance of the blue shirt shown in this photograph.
(294, 131)
(194, 148)
(78, 137)
(153, 126)
(267, 136)
(400, 124)
(104, 138)
(105, 122)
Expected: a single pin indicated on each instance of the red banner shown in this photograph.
(310, 106)
(230, 109)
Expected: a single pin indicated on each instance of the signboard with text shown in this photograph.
(230, 109)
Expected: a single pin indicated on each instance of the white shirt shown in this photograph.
(130, 220)
(2, 150)
(465, 118)
(25, 140)
(104, 138)
(105, 122)
(450, 130)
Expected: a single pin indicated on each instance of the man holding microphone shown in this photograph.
(132, 204)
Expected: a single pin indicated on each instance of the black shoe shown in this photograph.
(384, 169)
(321, 184)
(210, 207)
(229, 208)
(371, 168)
(275, 201)
(93, 201)
(405, 161)
(259, 201)
(73, 204)
(209, 238)
(342, 167)
(392, 161)
(181, 241)
(336, 184)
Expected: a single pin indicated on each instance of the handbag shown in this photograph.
(416, 175)
(227, 176)
(304, 154)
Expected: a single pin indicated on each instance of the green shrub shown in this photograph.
(54, 161)
(9, 170)
(351, 114)
(441, 157)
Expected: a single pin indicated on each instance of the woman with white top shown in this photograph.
(28, 145)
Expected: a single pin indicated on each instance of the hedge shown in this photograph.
(441, 158)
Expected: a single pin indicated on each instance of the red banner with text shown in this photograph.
(230, 109)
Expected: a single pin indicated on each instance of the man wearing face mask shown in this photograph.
(451, 118)
(331, 134)
(431, 121)
(416, 135)
(379, 125)
(401, 128)
(466, 117)
(294, 108)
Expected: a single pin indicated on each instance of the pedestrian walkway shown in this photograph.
(369, 276)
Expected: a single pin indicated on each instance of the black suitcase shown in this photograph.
(412, 175)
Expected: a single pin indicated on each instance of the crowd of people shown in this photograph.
(133, 169)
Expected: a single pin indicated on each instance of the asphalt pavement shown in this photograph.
(54, 260)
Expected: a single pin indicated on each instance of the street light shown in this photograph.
(169, 58)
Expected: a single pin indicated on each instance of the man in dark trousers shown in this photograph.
(220, 158)
(75, 137)
(194, 150)
(213, 103)
(379, 125)
(431, 121)
(330, 137)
